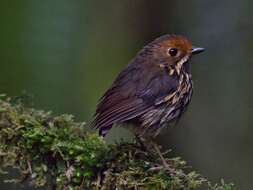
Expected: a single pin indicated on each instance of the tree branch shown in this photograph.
(57, 152)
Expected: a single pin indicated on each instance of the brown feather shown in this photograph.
(148, 91)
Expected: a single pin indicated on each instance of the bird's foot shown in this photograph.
(140, 141)
(168, 168)
(165, 166)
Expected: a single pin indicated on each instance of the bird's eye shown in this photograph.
(172, 52)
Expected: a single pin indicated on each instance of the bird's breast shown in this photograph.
(177, 101)
(172, 107)
(184, 90)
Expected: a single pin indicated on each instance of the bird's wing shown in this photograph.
(134, 92)
(159, 89)
(118, 113)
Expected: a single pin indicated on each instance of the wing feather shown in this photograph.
(124, 111)
(136, 90)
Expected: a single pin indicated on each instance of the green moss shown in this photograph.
(56, 151)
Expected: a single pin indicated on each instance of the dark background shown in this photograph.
(67, 52)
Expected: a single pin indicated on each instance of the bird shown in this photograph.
(152, 91)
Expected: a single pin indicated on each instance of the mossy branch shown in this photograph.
(55, 151)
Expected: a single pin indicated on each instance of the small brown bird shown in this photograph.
(152, 91)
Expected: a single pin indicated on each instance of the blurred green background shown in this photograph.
(67, 52)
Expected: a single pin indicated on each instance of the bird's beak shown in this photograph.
(197, 50)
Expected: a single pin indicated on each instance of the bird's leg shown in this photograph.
(140, 141)
(146, 143)
(164, 162)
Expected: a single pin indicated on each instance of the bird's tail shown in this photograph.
(104, 130)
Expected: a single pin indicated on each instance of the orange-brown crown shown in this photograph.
(177, 41)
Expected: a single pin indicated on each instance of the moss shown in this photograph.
(57, 152)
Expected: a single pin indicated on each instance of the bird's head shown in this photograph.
(172, 51)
